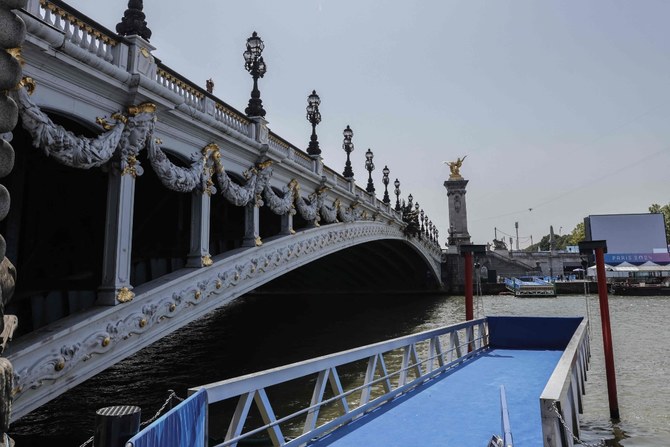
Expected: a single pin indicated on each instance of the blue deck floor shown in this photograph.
(462, 408)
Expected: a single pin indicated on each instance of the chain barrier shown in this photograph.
(173, 395)
(600, 443)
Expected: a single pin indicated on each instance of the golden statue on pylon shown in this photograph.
(455, 168)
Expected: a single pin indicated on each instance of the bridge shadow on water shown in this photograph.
(253, 333)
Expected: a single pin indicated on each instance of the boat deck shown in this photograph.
(461, 408)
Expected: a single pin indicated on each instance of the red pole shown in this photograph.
(469, 311)
(607, 334)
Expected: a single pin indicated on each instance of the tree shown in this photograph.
(578, 234)
(560, 241)
(665, 210)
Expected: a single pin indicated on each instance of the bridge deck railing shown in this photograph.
(360, 380)
(83, 38)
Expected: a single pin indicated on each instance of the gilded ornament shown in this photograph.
(105, 125)
(258, 242)
(219, 284)
(124, 295)
(29, 83)
(143, 322)
(105, 342)
(16, 54)
(293, 185)
(145, 52)
(172, 307)
(206, 261)
(158, 141)
(197, 294)
(131, 167)
(60, 365)
(145, 107)
(236, 277)
(455, 168)
(265, 164)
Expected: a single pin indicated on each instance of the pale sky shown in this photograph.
(562, 107)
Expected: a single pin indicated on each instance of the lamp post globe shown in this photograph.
(314, 117)
(385, 181)
(397, 194)
(370, 166)
(255, 65)
(348, 147)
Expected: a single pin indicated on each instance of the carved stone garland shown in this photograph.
(61, 144)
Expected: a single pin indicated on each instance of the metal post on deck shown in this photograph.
(468, 251)
(114, 426)
(600, 247)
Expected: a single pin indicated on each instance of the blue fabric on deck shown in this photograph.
(531, 332)
(460, 409)
(182, 426)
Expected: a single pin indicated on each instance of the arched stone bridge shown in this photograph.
(149, 202)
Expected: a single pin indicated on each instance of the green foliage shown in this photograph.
(560, 242)
(665, 210)
(578, 234)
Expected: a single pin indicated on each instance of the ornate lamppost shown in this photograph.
(348, 147)
(385, 181)
(397, 194)
(421, 225)
(370, 166)
(410, 198)
(254, 64)
(314, 117)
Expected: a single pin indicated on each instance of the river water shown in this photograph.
(260, 332)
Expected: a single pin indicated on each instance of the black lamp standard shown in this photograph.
(254, 64)
(370, 166)
(314, 117)
(422, 226)
(410, 198)
(397, 194)
(348, 147)
(385, 181)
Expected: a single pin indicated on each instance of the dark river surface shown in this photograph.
(260, 332)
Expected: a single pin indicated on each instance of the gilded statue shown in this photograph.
(455, 168)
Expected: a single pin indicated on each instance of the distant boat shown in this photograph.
(530, 286)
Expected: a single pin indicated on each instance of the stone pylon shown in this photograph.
(458, 214)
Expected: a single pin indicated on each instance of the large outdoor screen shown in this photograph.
(630, 237)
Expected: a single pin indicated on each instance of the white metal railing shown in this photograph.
(376, 374)
(561, 399)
